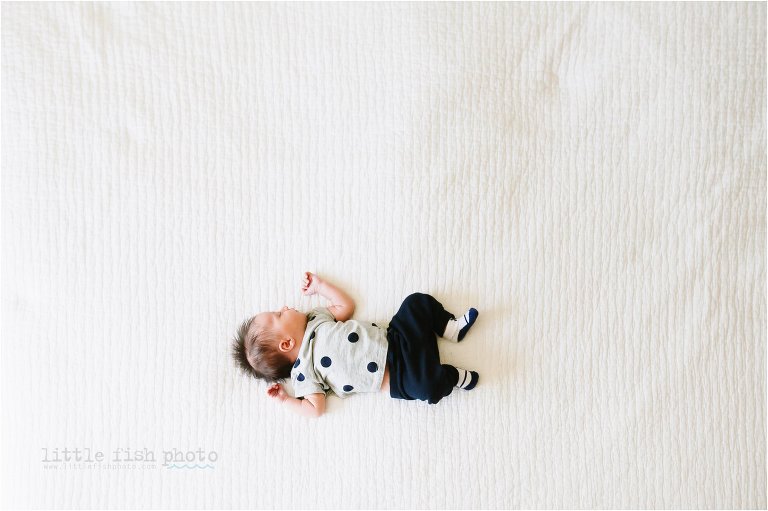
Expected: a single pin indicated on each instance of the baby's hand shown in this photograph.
(310, 284)
(276, 391)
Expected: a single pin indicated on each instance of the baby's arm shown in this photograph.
(342, 307)
(313, 405)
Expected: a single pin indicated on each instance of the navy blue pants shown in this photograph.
(415, 371)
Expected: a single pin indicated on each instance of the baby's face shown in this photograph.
(286, 321)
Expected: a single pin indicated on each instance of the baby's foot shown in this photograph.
(456, 329)
(467, 379)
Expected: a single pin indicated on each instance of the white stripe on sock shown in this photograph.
(451, 330)
(463, 321)
(462, 378)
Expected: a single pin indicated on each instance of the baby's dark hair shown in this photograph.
(255, 352)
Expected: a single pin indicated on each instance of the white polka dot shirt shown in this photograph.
(344, 357)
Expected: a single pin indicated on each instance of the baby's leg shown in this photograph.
(449, 378)
(426, 310)
(442, 384)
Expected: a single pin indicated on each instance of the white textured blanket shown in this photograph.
(590, 177)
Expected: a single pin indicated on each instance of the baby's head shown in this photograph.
(266, 345)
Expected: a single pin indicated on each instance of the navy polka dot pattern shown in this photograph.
(326, 362)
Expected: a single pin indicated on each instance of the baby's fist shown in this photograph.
(310, 283)
(276, 391)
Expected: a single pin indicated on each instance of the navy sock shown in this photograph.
(468, 319)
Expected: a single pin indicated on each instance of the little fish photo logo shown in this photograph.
(125, 458)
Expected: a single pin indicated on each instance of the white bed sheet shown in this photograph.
(591, 177)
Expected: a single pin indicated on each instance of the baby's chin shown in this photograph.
(303, 316)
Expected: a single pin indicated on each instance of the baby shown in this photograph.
(325, 350)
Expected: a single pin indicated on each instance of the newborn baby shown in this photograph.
(324, 350)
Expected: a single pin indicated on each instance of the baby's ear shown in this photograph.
(286, 344)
